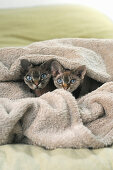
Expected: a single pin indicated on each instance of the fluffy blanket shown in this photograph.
(63, 122)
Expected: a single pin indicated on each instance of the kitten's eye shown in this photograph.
(43, 76)
(72, 81)
(29, 78)
(59, 81)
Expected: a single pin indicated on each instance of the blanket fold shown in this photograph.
(86, 122)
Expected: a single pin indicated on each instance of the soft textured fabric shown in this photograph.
(23, 157)
(20, 27)
(64, 121)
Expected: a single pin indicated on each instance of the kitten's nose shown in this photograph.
(36, 83)
(65, 86)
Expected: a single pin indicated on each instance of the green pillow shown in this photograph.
(19, 27)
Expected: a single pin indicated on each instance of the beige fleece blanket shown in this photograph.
(63, 122)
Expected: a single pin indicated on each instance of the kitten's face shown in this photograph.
(36, 76)
(67, 79)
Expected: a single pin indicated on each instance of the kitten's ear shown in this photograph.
(47, 65)
(26, 64)
(81, 71)
(56, 68)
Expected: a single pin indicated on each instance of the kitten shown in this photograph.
(74, 81)
(37, 77)
(67, 79)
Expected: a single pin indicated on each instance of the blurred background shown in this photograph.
(103, 5)
(25, 21)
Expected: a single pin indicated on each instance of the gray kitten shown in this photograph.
(74, 81)
(37, 77)
(67, 79)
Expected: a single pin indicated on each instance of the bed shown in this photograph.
(20, 27)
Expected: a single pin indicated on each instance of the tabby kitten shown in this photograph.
(37, 77)
(67, 79)
(75, 81)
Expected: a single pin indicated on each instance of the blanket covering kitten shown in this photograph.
(37, 77)
(74, 81)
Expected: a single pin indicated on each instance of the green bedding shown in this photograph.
(19, 27)
(24, 157)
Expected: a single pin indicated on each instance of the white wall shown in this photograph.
(106, 6)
